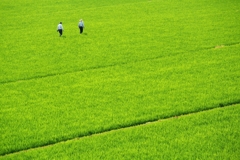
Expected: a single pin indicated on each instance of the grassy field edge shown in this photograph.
(129, 125)
(214, 128)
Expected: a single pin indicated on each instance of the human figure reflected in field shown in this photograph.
(60, 29)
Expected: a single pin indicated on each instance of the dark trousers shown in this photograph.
(81, 30)
(60, 32)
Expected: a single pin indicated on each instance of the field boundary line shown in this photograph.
(112, 65)
(125, 126)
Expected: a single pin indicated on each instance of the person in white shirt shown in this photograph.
(60, 29)
(81, 26)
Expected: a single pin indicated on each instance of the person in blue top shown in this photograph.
(60, 29)
(81, 26)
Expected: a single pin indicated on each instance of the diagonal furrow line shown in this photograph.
(125, 126)
(106, 66)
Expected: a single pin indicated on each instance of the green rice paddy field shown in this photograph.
(147, 79)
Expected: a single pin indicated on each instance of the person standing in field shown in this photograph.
(60, 29)
(81, 26)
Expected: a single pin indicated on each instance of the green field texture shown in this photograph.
(138, 61)
(208, 135)
(47, 110)
(116, 32)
